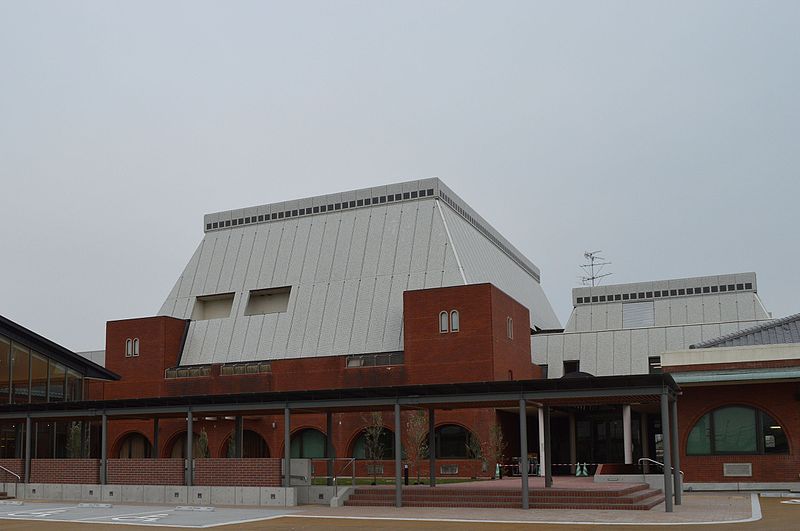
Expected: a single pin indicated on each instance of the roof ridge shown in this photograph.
(773, 323)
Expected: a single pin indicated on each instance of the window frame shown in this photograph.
(455, 321)
(760, 421)
(510, 328)
(444, 322)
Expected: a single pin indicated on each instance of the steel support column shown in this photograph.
(665, 438)
(155, 438)
(627, 435)
(645, 438)
(523, 451)
(541, 442)
(573, 443)
(103, 449)
(189, 447)
(28, 424)
(238, 436)
(676, 454)
(287, 447)
(398, 452)
(329, 451)
(548, 464)
(432, 446)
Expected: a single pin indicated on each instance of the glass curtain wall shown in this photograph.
(5, 370)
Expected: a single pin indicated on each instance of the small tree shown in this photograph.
(495, 447)
(474, 449)
(202, 444)
(415, 443)
(74, 447)
(374, 447)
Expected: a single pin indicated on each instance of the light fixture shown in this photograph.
(775, 428)
(274, 425)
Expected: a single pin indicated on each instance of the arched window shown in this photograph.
(452, 442)
(128, 348)
(454, 325)
(135, 347)
(384, 447)
(253, 445)
(308, 443)
(510, 328)
(179, 447)
(736, 430)
(135, 446)
(443, 326)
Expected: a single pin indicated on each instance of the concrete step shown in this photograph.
(635, 497)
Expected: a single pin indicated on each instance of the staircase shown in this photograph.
(633, 497)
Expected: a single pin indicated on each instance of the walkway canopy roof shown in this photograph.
(646, 388)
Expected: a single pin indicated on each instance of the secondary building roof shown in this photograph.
(325, 275)
(41, 344)
(777, 332)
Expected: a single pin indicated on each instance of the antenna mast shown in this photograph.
(593, 268)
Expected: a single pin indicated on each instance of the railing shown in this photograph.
(654, 462)
(5, 479)
(350, 462)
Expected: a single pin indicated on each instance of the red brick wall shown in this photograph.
(238, 472)
(85, 471)
(512, 357)
(146, 472)
(777, 399)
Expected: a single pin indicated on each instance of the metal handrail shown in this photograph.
(19, 478)
(5, 487)
(653, 461)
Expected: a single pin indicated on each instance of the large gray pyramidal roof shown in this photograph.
(341, 263)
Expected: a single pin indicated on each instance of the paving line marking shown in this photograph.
(151, 511)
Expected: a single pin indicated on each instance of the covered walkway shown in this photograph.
(524, 396)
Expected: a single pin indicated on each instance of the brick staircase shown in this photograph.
(633, 497)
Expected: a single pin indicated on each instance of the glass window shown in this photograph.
(74, 386)
(5, 369)
(38, 377)
(308, 443)
(454, 324)
(510, 328)
(699, 442)
(737, 430)
(451, 442)
(58, 375)
(20, 374)
(385, 448)
(443, 326)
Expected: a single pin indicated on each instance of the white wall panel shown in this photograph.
(605, 354)
(346, 318)
(285, 251)
(728, 310)
(657, 341)
(256, 258)
(298, 256)
(711, 313)
(422, 235)
(299, 316)
(692, 335)
(588, 346)
(622, 353)
(266, 277)
(662, 309)
(391, 233)
(614, 315)
(539, 346)
(229, 262)
(745, 306)
(333, 303)
(572, 351)
(675, 338)
(361, 320)
(677, 311)
(640, 351)
(250, 350)
(343, 247)
(394, 312)
(309, 341)
(694, 310)
(313, 252)
(377, 318)
(215, 265)
(358, 244)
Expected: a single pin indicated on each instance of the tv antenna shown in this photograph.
(593, 268)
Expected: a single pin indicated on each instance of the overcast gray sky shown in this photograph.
(666, 134)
